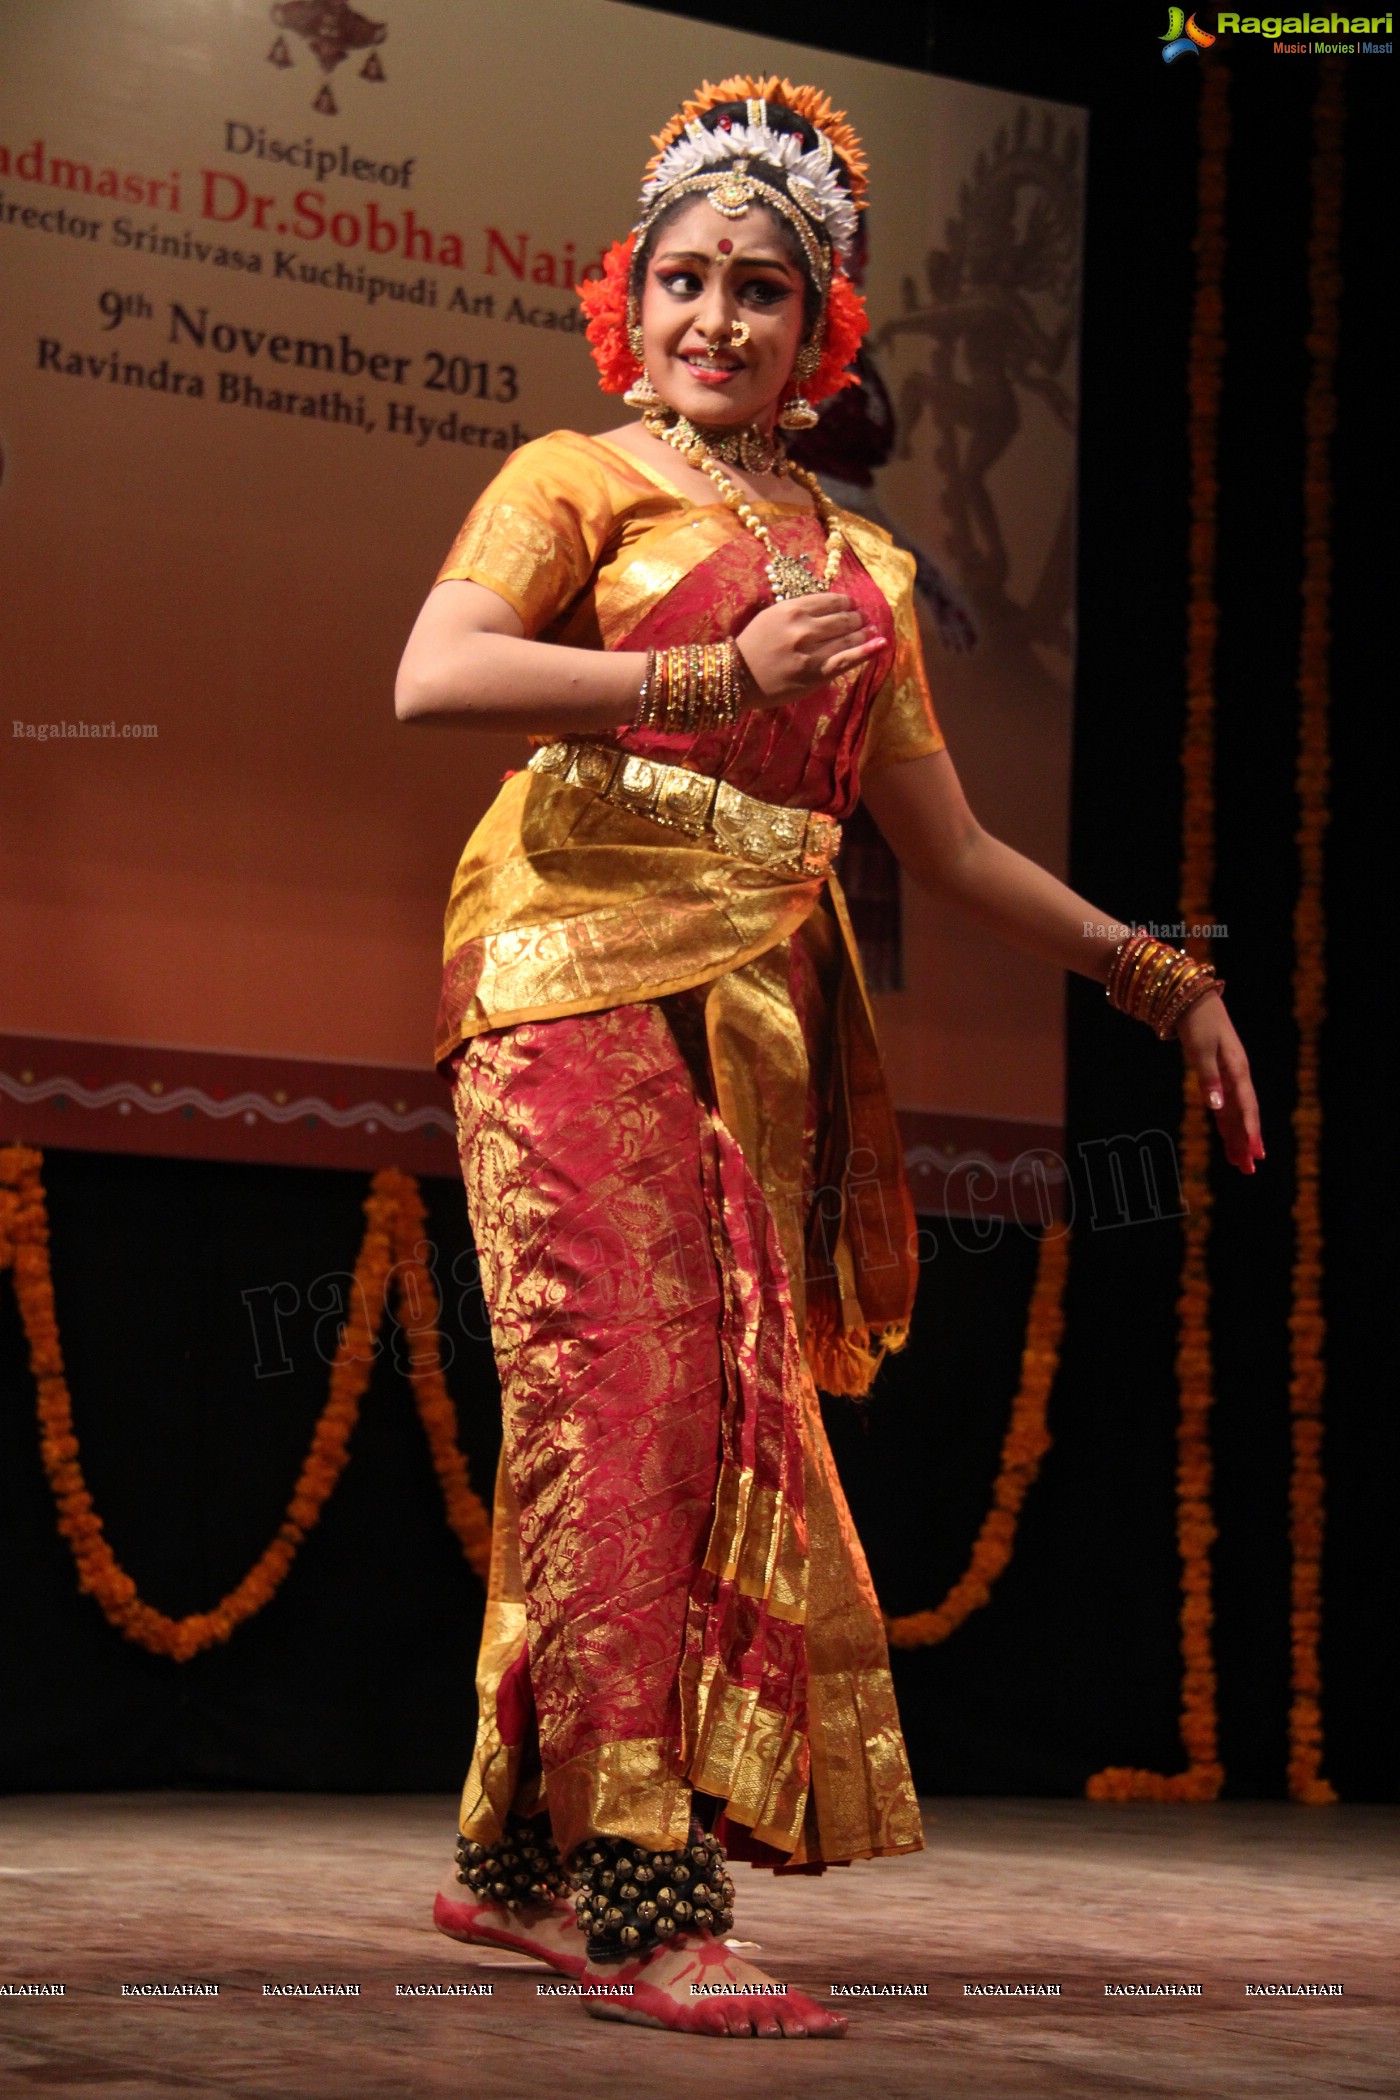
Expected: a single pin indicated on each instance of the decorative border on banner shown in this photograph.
(224, 1104)
(962, 1166)
(124, 1095)
(291, 1111)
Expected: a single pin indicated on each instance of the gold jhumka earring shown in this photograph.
(799, 413)
(641, 393)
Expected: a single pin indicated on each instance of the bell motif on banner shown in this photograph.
(332, 30)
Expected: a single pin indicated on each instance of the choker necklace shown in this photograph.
(790, 575)
(756, 451)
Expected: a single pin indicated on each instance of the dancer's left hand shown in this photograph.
(1210, 1044)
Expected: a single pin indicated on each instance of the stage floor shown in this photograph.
(97, 1892)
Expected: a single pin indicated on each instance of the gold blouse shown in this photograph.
(583, 541)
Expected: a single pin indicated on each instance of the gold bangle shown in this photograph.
(1152, 969)
(1138, 964)
(732, 686)
(1140, 972)
(1170, 972)
(644, 712)
(1192, 996)
(691, 686)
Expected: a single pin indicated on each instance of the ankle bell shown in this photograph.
(522, 1867)
(630, 1899)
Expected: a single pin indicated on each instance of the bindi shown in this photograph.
(726, 247)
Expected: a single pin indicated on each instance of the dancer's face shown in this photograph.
(705, 274)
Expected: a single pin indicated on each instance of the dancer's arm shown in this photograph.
(468, 661)
(920, 807)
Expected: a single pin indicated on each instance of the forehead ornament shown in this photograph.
(733, 193)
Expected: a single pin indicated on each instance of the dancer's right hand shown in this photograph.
(791, 648)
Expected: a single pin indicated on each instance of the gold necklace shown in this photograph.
(790, 575)
(756, 451)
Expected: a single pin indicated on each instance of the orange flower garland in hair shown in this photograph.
(844, 328)
(1195, 1522)
(1306, 1326)
(604, 300)
(1026, 1442)
(393, 1213)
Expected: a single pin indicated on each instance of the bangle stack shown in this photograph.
(1156, 983)
(698, 686)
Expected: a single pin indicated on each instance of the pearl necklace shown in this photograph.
(791, 575)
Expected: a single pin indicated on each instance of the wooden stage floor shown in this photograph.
(98, 1892)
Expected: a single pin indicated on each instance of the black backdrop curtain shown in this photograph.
(358, 1675)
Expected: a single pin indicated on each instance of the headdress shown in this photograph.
(730, 144)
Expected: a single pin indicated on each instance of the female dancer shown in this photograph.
(682, 1167)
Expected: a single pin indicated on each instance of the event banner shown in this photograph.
(284, 285)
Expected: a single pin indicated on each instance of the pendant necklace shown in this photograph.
(790, 575)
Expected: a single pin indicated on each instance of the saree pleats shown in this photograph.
(862, 1791)
(500, 1771)
(648, 1358)
(744, 1672)
(758, 1055)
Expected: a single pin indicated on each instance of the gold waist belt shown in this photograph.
(791, 841)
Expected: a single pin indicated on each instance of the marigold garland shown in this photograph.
(604, 300)
(417, 1292)
(394, 1216)
(1306, 1325)
(1026, 1442)
(1195, 1522)
(846, 325)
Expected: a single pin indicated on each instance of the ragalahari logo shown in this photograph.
(1183, 35)
(332, 30)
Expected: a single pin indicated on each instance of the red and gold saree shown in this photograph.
(685, 1184)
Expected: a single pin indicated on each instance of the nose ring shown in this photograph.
(738, 334)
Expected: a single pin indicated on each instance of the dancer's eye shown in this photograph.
(768, 293)
(682, 284)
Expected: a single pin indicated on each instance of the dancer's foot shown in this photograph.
(661, 1994)
(546, 1931)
